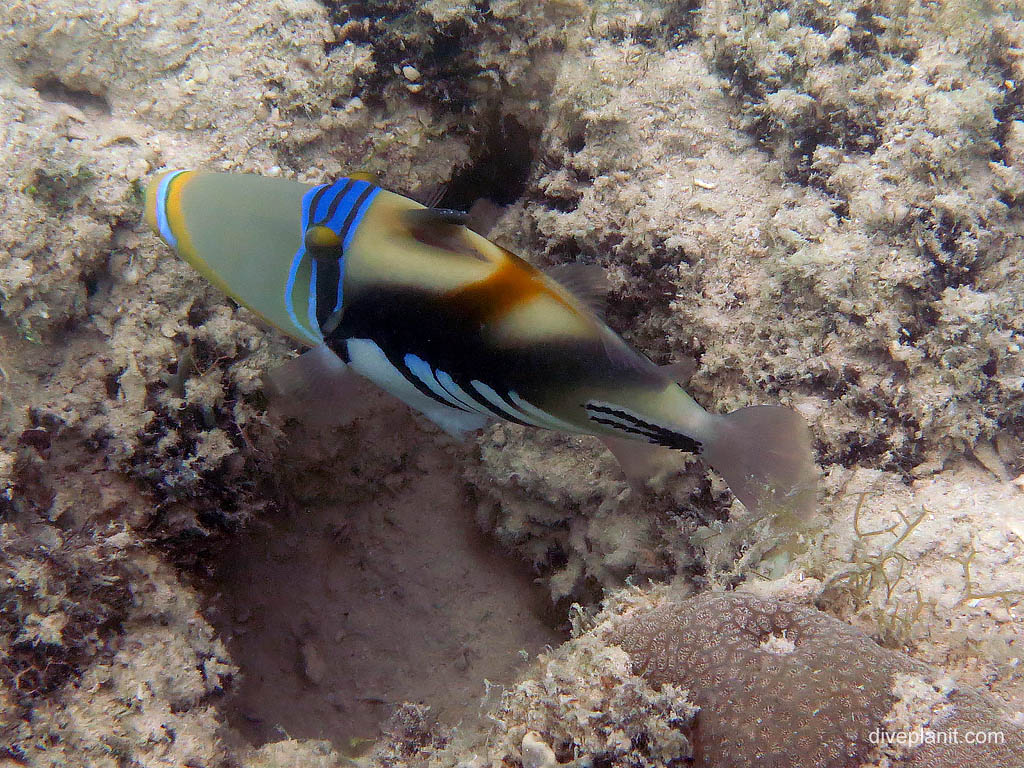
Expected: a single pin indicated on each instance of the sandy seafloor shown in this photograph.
(819, 202)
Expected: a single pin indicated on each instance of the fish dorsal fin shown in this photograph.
(441, 228)
(432, 195)
(368, 176)
(587, 282)
(436, 217)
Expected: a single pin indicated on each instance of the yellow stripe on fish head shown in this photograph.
(163, 209)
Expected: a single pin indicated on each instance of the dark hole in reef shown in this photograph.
(52, 89)
(112, 385)
(680, 22)
(563, 204)
(576, 142)
(198, 314)
(500, 170)
(92, 285)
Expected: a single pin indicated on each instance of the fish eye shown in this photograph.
(323, 243)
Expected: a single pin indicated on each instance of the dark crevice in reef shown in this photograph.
(54, 90)
(195, 508)
(501, 166)
(503, 133)
(952, 265)
(680, 23)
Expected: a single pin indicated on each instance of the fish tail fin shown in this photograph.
(764, 454)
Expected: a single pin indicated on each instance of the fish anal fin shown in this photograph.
(587, 282)
(641, 462)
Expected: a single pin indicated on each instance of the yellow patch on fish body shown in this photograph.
(516, 300)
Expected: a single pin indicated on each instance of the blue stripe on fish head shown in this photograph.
(340, 206)
(161, 209)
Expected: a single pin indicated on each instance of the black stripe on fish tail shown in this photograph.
(639, 425)
(343, 230)
(653, 432)
(677, 440)
(338, 197)
(328, 273)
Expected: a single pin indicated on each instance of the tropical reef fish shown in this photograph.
(459, 328)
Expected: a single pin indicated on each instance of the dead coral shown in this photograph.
(562, 503)
(410, 735)
(584, 707)
(902, 114)
(65, 596)
(932, 567)
(62, 213)
(451, 54)
(151, 702)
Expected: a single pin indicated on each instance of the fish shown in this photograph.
(459, 328)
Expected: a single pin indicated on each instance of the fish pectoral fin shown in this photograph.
(370, 361)
(442, 228)
(587, 282)
(316, 385)
(640, 461)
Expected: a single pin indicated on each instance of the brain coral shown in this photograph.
(784, 686)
